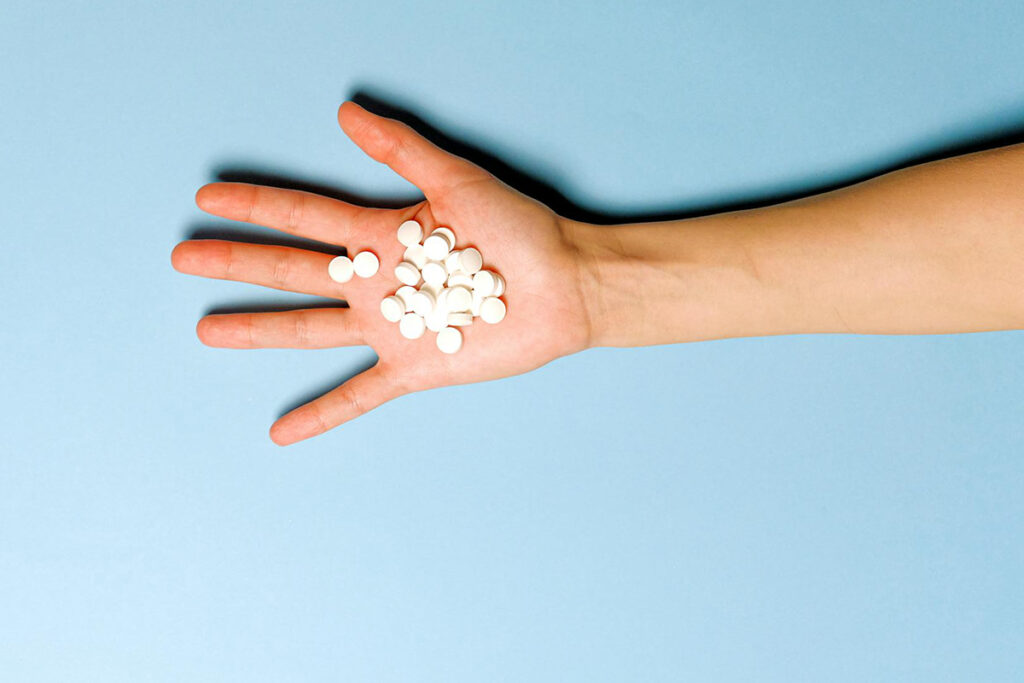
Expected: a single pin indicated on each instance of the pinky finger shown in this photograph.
(357, 396)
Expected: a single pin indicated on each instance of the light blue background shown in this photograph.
(791, 509)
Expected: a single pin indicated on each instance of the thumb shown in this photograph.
(405, 151)
(357, 396)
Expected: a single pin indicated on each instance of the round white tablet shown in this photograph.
(470, 260)
(459, 299)
(436, 247)
(340, 269)
(423, 303)
(434, 273)
(460, 319)
(451, 261)
(492, 310)
(499, 285)
(447, 234)
(483, 282)
(392, 308)
(449, 340)
(366, 264)
(407, 273)
(411, 326)
(415, 255)
(410, 233)
(441, 300)
(405, 293)
(435, 290)
(460, 280)
(436, 321)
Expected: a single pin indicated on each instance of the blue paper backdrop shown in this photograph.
(804, 508)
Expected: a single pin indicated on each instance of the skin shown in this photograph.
(931, 249)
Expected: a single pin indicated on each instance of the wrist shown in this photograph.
(605, 283)
(677, 281)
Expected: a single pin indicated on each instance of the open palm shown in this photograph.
(518, 237)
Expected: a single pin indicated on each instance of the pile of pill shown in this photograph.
(443, 288)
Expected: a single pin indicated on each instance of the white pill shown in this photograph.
(449, 340)
(436, 247)
(492, 310)
(436, 321)
(483, 282)
(410, 233)
(434, 273)
(423, 303)
(442, 300)
(460, 319)
(405, 293)
(366, 264)
(435, 290)
(460, 280)
(459, 299)
(499, 285)
(451, 261)
(470, 260)
(392, 308)
(448, 235)
(407, 273)
(340, 269)
(415, 255)
(411, 326)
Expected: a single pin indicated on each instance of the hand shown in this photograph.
(526, 242)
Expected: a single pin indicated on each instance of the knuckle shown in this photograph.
(303, 334)
(227, 259)
(279, 275)
(352, 402)
(391, 150)
(253, 205)
(318, 417)
(388, 145)
(250, 330)
(295, 212)
(397, 382)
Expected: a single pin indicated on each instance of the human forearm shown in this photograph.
(929, 249)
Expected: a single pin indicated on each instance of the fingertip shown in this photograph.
(347, 110)
(179, 256)
(188, 257)
(361, 126)
(284, 434)
(207, 196)
(276, 436)
(302, 423)
(204, 330)
(202, 195)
